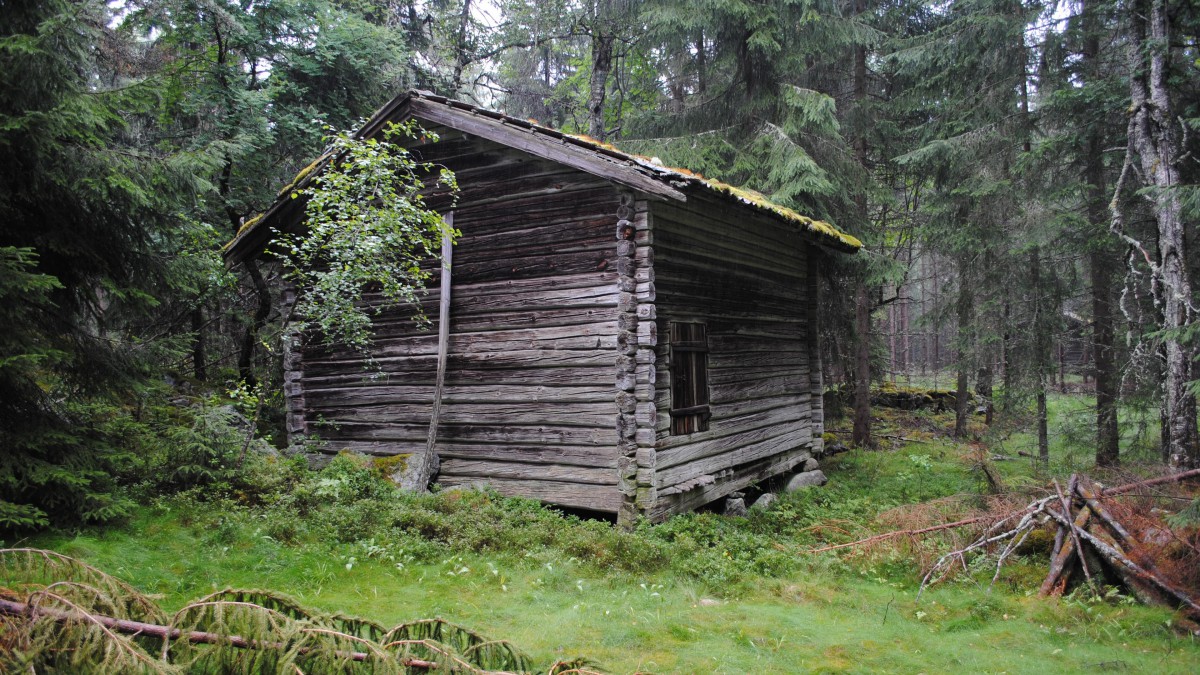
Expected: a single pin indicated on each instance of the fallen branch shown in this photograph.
(899, 533)
(1028, 514)
(1087, 492)
(1130, 487)
(20, 609)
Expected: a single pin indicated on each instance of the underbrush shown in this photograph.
(701, 592)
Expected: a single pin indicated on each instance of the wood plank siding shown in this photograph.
(577, 268)
(528, 404)
(745, 279)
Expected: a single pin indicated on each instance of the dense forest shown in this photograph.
(1009, 365)
(1022, 174)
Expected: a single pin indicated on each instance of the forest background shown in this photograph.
(1023, 175)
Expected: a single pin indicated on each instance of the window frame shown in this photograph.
(691, 406)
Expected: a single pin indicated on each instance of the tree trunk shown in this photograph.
(250, 337)
(1007, 378)
(461, 55)
(1154, 136)
(963, 309)
(861, 435)
(199, 367)
(862, 310)
(1040, 352)
(602, 50)
(1101, 259)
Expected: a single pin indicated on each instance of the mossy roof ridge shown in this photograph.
(679, 177)
(742, 194)
(820, 228)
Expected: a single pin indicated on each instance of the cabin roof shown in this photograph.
(586, 154)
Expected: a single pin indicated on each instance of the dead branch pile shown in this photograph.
(1101, 537)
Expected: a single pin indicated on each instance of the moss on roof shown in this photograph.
(745, 195)
(653, 164)
(760, 200)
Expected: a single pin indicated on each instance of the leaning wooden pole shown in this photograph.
(427, 464)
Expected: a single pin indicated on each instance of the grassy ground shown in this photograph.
(702, 593)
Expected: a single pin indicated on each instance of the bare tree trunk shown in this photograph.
(1100, 264)
(199, 367)
(1154, 135)
(963, 310)
(937, 325)
(1040, 352)
(461, 55)
(862, 310)
(892, 323)
(1007, 375)
(250, 337)
(602, 51)
(861, 435)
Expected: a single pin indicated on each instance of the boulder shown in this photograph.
(810, 464)
(735, 504)
(806, 480)
(764, 501)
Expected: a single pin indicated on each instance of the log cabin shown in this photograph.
(620, 336)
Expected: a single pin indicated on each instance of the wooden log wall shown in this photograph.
(635, 359)
(746, 278)
(528, 404)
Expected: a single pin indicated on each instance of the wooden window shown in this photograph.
(689, 378)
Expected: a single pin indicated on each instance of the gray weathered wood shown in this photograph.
(544, 147)
(578, 495)
(423, 466)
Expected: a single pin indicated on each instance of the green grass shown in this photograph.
(701, 593)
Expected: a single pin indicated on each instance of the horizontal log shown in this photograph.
(741, 477)
(545, 376)
(547, 238)
(690, 449)
(566, 455)
(503, 190)
(467, 433)
(525, 359)
(460, 393)
(705, 218)
(749, 390)
(595, 258)
(678, 251)
(547, 202)
(598, 415)
(711, 440)
(733, 456)
(473, 468)
(397, 325)
(724, 376)
(603, 498)
(603, 456)
(510, 287)
(590, 336)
